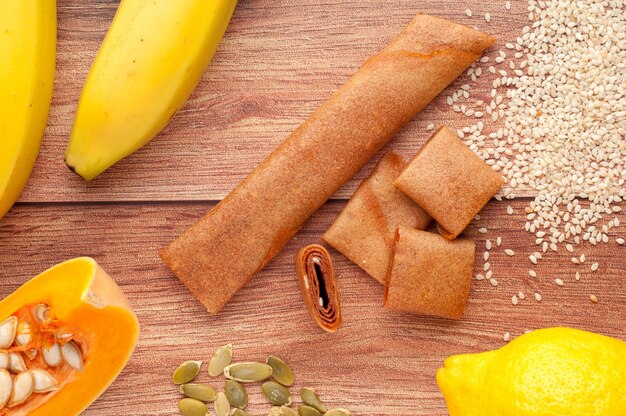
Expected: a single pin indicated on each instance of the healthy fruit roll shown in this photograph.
(239, 236)
(428, 274)
(316, 276)
(364, 230)
(449, 182)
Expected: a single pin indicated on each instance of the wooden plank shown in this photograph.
(279, 60)
(380, 362)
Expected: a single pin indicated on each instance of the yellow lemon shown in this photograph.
(548, 372)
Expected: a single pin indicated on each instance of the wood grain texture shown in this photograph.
(379, 363)
(279, 60)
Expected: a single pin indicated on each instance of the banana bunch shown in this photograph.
(27, 60)
(149, 63)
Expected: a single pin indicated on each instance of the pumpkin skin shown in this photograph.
(82, 296)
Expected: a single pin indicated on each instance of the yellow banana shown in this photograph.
(27, 60)
(149, 63)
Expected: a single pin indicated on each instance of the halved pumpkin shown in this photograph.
(74, 311)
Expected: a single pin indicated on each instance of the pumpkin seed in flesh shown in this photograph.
(23, 334)
(44, 382)
(281, 372)
(192, 407)
(221, 405)
(202, 392)
(338, 412)
(248, 372)
(6, 387)
(41, 312)
(186, 372)
(276, 393)
(236, 394)
(72, 355)
(239, 412)
(8, 329)
(52, 354)
(309, 397)
(5, 359)
(23, 386)
(16, 362)
(221, 358)
(305, 410)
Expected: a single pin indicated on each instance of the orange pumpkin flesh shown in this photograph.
(85, 302)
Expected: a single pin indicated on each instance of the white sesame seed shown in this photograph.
(538, 297)
(506, 337)
(533, 259)
(488, 244)
(498, 241)
(619, 241)
(509, 210)
(521, 295)
(431, 126)
(594, 267)
(480, 277)
(482, 230)
(509, 252)
(486, 266)
(514, 300)
(468, 12)
(532, 273)
(577, 277)
(559, 282)
(493, 282)
(486, 255)
(507, 5)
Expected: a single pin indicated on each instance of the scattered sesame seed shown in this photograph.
(468, 12)
(486, 255)
(486, 266)
(507, 5)
(498, 241)
(532, 273)
(595, 267)
(619, 241)
(569, 248)
(559, 282)
(533, 259)
(577, 277)
(509, 252)
(506, 337)
(430, 127)
(582, 258)
(488, 244)
(487, 17)
(480, 277)
(521, 295)
(509, 210)
(593, 298)
(514, 300)
(538, 297)
(493, 282)
(482, 230)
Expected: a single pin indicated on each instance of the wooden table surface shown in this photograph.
(278, 61)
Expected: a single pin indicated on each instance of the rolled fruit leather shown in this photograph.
(316, 276)
(239, 236)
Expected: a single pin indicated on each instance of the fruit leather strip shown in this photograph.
(240, 235)
(449, 182)
(316, 275)
(364, 230)
(429, 274)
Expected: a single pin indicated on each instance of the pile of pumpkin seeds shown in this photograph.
(276, 377)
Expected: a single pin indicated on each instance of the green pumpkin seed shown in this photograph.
(248, 372)
(276, 393)
(202, 392)
(192, 407)
(305, 410)
(220, 359)
(186, 372)
(282, 411)
(309, 397)
(338, 412)
(236, 394)
(239, 412)
(221, 405)
(281, 371)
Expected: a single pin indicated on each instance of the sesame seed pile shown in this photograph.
(555, 126)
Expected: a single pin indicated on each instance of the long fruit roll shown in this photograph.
(239, 236)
